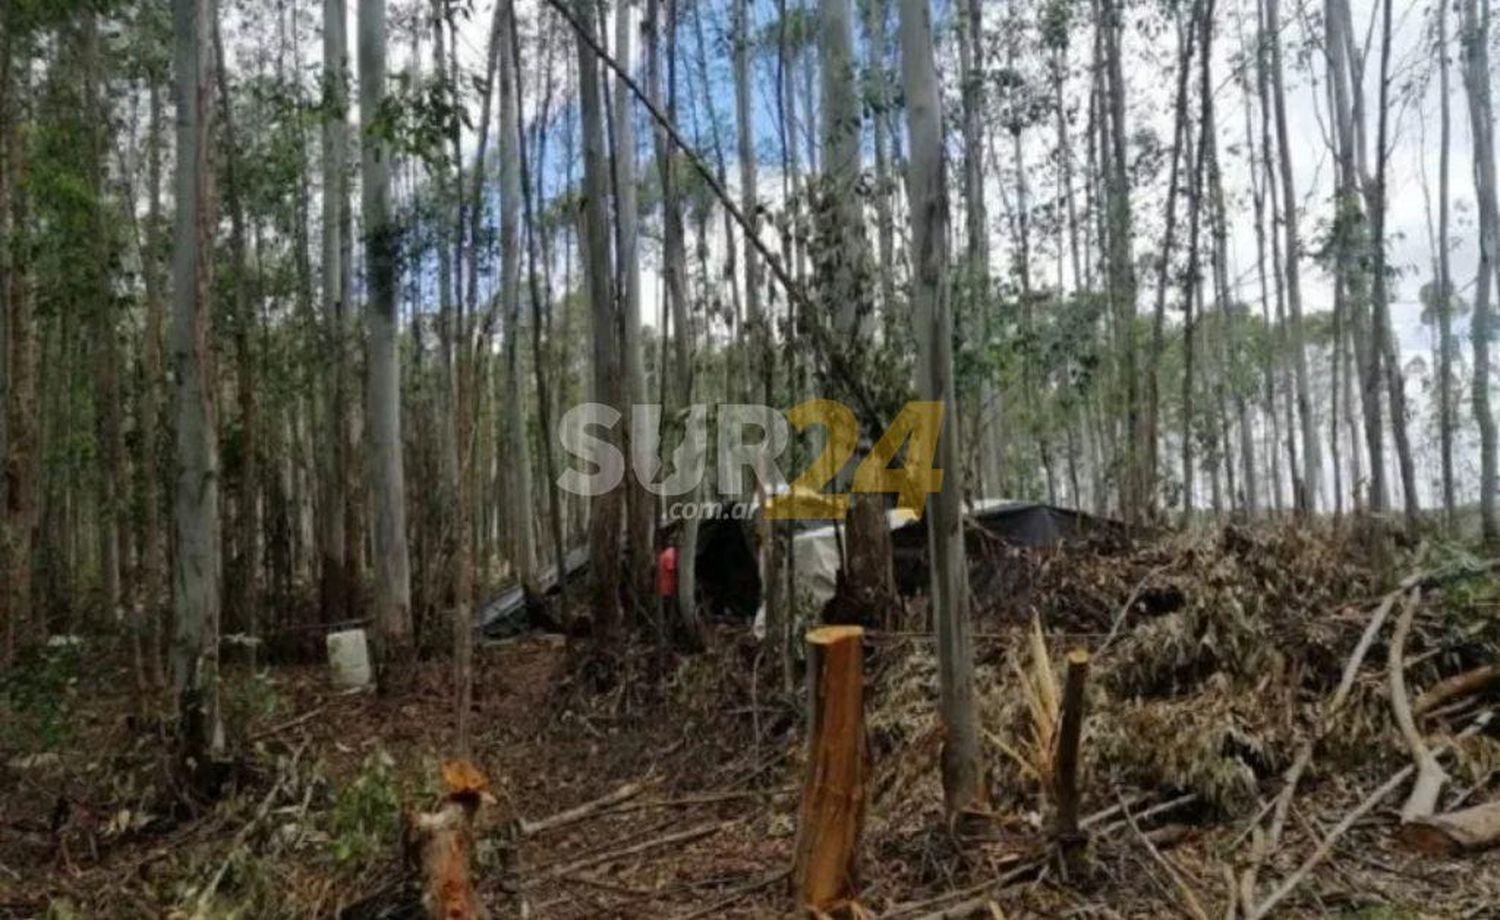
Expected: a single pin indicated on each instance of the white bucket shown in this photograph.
(349, 657)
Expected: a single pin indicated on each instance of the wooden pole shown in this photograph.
(1070, 840)
(833, 795)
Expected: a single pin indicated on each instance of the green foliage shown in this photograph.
(251, 697)
(38, 695)
(366, 812)
(419, 117)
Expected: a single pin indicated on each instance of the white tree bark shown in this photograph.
(641, 503)
(195, 647)
(604, 525)
(518, 453)
(383, 395)
(977, 241)
(1312, 457)
(335, 140)
(927, 190)
(1476, 72)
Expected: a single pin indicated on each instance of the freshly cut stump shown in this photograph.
(440, 844)
(833, 795)
(1069, 839)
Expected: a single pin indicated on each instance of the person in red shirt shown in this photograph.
(666, 572)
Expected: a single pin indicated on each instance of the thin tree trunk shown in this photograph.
(24, 422)
(879, 80)
(335, 567)
(1283, 330)
(1275, 498)
(1228, 344)
(604, 526)
(843, 280)
(247, 581)
(1476, 30)
(1192, 284)
(1444, 295)
(383, 397)
(534, 276)
(1308, 489)
(976, 273)
(106, 358)
(154, 591)
(518, 452)
(674, 276)
(927, 186)
(1186, 36)
(641, 503)
(195, 650)
(1384, 336)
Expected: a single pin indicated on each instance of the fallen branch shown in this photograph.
(1423, 800)
(1257, 911)
(1459, 685)
(287, 725)
(1265, 843)
(1326, 846)
(1190, 901)
(1465, 831)
(735, 894)
(1124, 612)
(978, 896)
(578, 813)
(635, 849)
(700, 798)
(206, 898)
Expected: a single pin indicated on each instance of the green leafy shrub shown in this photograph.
(366, 812)
(37, 697)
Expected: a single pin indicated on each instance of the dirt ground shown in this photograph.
(703, 761)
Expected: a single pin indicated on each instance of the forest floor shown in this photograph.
(1214, 659)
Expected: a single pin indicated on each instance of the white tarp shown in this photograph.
(816, 560)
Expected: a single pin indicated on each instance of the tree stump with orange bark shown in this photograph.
(832, 813)
(440, 844)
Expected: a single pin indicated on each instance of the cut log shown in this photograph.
(1069, 840)
(833, 795)
(1455, 687)
(1464, 831)
(440, 844)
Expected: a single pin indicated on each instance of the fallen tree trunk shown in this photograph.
(1423, 799)
(1465, 831)
(440, 844)
(833, 797)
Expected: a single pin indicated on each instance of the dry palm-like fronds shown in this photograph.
(1039, 689)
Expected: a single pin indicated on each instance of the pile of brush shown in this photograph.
(1219, 662)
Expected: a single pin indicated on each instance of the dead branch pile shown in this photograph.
(1216, 657)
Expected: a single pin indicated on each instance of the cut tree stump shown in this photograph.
(1070, 840)
(440, 844)
(833, 796)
